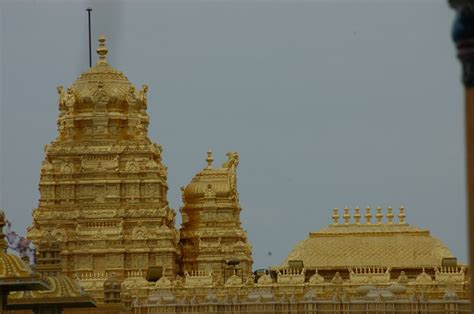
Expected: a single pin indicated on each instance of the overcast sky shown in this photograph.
(328, 103)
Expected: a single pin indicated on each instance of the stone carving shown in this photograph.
(264, 280)
(402, 279)
(316, 279)
(142, 98)
(424, 278)
(163, 283)
(198, 279)
(62, 100)
(115, 261)
(337, 279)
(210, 193)
(100, 97)
(67, 168)
(83, 262)
(70, 100)
(140, 233)
(132, 166)
(234, 280)
(290, 276)
(131, 97)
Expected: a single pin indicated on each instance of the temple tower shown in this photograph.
(211, 236)
(103, 186)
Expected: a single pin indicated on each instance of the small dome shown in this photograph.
(101, 80)
(213, 182)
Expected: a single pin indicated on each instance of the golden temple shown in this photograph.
(103, 222)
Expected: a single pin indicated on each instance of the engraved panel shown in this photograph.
(83, 262)
(99, 263)
(115, 261)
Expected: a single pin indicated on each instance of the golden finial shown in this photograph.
(335, 216)
(389, 216)
(346, 215)
(209, 159)
(102, 50)
(379, 215)
(357, 215)
(401, 215)
(368, 216)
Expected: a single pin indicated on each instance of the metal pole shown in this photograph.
(90, 44)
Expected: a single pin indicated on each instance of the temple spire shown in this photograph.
(102, 49)
(209, 159)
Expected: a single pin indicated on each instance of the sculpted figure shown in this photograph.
(232, 161)
(316, 279)
(265, 280)
(131, 98)
(62, 100)
(142, 98)
(402, 278)
(210, 193)
(337, 279)
(70, 99)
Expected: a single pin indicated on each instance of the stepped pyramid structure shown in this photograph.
(103, 185)
(211, 236)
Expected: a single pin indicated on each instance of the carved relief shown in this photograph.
(59, 234)
(132, 166)
(100, 97)
(66, 168)
(139, 261)
(70, 100)
(83, 262)
(115, 261)
(264, 280)
(140, 233)
(316, 279)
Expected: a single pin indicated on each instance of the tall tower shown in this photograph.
(103, 186)
(211, 237)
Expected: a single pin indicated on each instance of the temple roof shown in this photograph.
(14, 273)
(359, 244)
(63, 292)
(218, 182)
(114, 81)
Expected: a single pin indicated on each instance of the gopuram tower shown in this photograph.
(103, 186)
(212, 239)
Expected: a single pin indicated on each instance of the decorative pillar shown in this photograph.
(463, 37)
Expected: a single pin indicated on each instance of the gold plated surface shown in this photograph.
(211, 234)
(63, 292)
(14, 273)
(103, 190)
(103, 186)
(381, 244)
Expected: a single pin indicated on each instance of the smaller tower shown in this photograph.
(112, 289)
(212, 239)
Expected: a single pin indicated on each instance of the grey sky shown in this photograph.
(329, 104)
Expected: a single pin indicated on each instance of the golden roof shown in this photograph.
(377, 243)
(114, 82)
(220, 182)
(14, 273)
(63, 292)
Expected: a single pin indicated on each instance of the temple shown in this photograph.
(104, 230)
